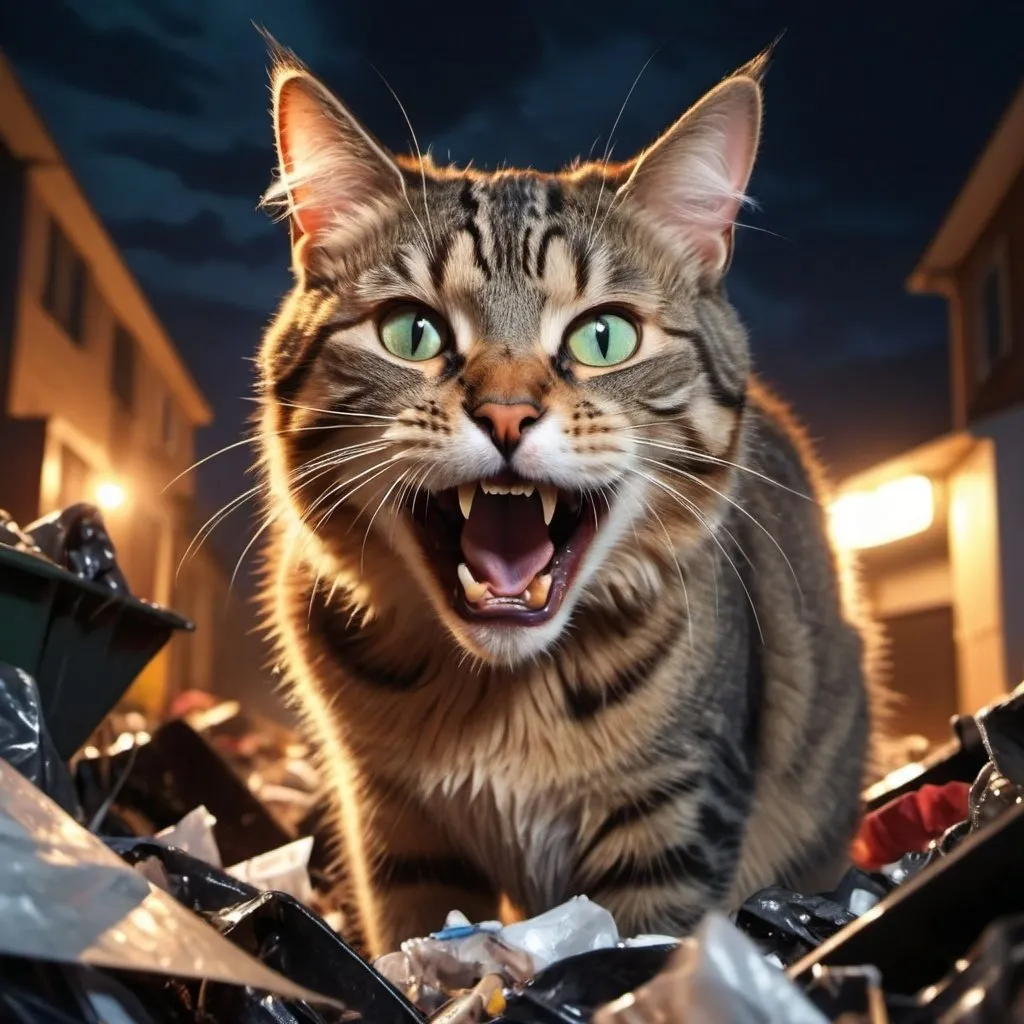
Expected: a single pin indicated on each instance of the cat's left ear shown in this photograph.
(333, 175)
(692, 181)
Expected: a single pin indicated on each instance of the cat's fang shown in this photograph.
(536, 595)
(467, 492)
(549, 499)
(475, 592)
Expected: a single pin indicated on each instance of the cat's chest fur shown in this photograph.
(526, 838)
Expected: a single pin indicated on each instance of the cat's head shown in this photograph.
(522, 390)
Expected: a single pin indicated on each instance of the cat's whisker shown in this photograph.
(246, 441)
(419, 157)
(204, 531)
(331, 412)
(608, 148)
(670, 547)
(691, 507)
(736, 505)
(697, 455)
(369, 526)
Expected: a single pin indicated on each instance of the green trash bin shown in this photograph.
(82, 642)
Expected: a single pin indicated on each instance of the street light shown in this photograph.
(890, 512)
(109, 495)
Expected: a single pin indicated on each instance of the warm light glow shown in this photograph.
(890, 512)
(110, 495)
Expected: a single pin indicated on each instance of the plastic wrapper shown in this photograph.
(283, 870)
(25, 742)
(77, 540)
(576, 926)
(194, 835)
(64, 897)
(717, 975)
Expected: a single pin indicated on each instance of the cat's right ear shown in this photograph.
(333, 175)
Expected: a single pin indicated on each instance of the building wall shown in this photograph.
(65, 420)
(986, 386)
(1006, 431)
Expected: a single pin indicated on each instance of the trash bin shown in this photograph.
(82, 642)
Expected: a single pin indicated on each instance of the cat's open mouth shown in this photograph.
(507, 548)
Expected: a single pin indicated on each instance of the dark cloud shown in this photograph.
(202, 239)
(51, 37)
(241, 170)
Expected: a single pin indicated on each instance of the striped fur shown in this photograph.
(694, 722)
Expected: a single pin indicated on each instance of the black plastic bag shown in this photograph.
(790, 925)
(77, 540)
(25, 742)
(569, 991)
(278, 931)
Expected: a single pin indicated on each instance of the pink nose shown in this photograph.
(506, 423)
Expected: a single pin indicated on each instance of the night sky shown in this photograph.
(874, 116)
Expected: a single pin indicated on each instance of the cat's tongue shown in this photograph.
(505, 542)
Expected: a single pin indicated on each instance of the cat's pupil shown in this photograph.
(418, 326)
(602, 336)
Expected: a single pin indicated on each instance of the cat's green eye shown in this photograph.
(605, 339)
(414, 334)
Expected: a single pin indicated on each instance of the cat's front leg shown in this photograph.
(406, 874)
(662, 860)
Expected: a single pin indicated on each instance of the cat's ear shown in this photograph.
(332, 173)
(692, 181)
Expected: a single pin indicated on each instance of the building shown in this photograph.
(941, 527)
(95, 402)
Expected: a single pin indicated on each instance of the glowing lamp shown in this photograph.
(109, 495)
(890, 512)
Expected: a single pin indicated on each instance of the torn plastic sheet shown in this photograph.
(25, 742)
(717, 975)
(65, 897)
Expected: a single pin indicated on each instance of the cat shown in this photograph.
(549, 576)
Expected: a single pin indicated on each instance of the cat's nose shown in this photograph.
(506, 423)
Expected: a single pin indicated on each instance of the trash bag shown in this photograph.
(572, 990)
(789, 925)
(77, 540)
(25, 742)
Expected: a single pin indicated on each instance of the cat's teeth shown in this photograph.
(525, 490)
(467, 492)
(536, 595)
(549, 499)
(475, 592)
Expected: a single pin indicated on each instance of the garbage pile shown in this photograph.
(167, 873)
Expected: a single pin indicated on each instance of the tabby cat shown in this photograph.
(548, 578)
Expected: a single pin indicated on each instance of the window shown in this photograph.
(74, 478)
(64, 291)
(122, 369)
(169, 425)
(994, 312)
